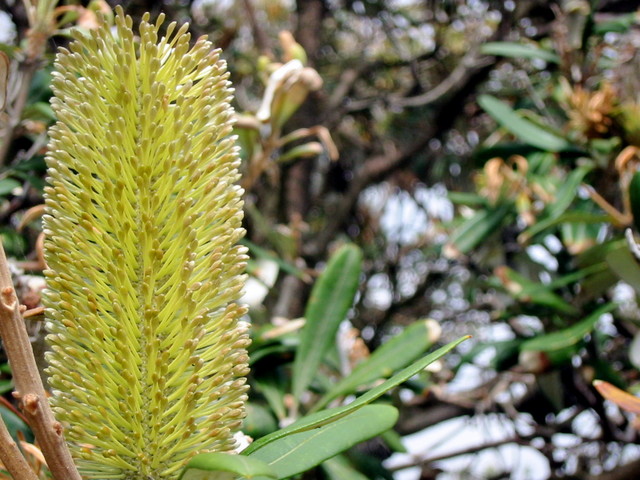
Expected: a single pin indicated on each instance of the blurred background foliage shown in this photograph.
(481, 159)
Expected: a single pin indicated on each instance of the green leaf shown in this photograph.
(634, 199)
(225, 466)
(259, 420)
(394, 441)
(518, 50)
(528, 291)
(524, 129)
(272, 389)
(330, 301)
(572, 216)
(569, 336)
(397, 353)
(311, 149)
(324, 417)
(476, 229)
(339, 468)
(618, 24)
(301, 451)
(7, 185)
(39, 111)
(567, 191)
(467, 198)
(15, 424)
(6, 385)
(622, 262)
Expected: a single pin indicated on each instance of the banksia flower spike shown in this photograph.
(143, 217)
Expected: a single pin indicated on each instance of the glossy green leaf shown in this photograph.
(324, 417)
(569, 336)
(518, 50)
(225, 466)
(301, 451)
(331, 298)
(396, 353)
(476, 229)
(524, 129)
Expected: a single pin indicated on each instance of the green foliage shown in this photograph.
(300, 451)
(330, 300)
(220, 466)
(523, 128)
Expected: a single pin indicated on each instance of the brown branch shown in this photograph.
(375, 168)
(260, 38)
(29, 388)
(14, 112)
(458, 453)
(12, 458)
(468, 66)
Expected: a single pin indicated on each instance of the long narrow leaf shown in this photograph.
(397, 353)
(331, 299)
(518, 50)
(569, 336)
(301, 451)
(481, 225)
(522, 128)
(573, 216)
(327, 416)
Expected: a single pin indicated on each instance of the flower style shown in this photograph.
(143, 218)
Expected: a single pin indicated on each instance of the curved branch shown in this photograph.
(12, 458)
(29, 388)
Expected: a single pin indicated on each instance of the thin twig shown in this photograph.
(28, 68)
(470, 63)
(457, 453)
(12, 458)
(260, 38)
(29, 389)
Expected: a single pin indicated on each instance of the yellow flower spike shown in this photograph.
(148, 355)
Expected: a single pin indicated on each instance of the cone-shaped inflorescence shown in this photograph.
(148, 355)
